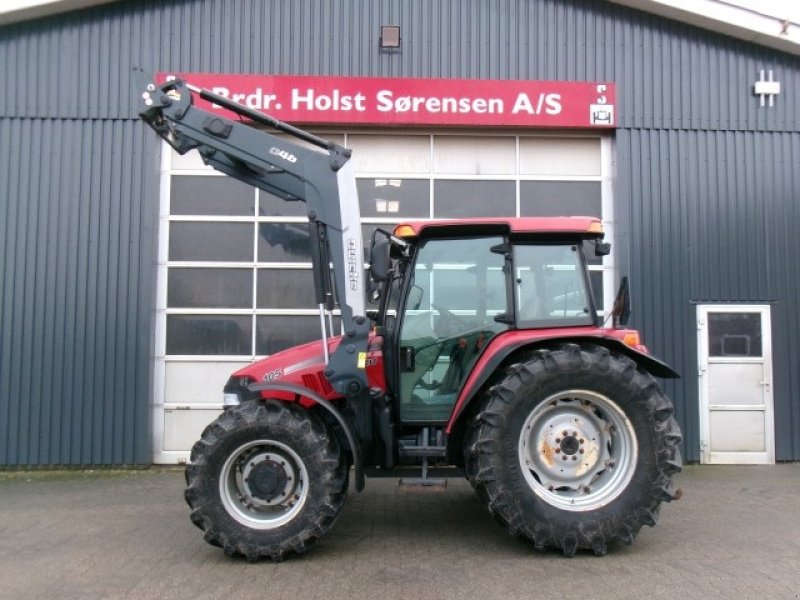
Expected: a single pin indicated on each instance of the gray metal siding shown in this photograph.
(712, 217)
(706, 188)
(671, 76)
(78, 214)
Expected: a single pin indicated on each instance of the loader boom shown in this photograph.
(324, 180)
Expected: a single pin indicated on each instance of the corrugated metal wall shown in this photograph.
(672, 76)
(706, 185)
(712, 217)
(78, 203)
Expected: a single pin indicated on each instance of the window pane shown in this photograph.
(596, 280)
(462, 275)
(198, 195)
(559, 198)
(283, 242)
(272, 206)
(469, 155)
(285, 288)
(451, 288)
(209, 334)
(455, 199)
(210, 288)
(391, 153)
(275, 333)
(190, 160)
(734, 334)
(559, 156)
(550, 286)
(394, 198)
(211, 241)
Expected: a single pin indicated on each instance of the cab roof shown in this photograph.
(583, 226)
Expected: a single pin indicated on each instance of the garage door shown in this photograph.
(234, 267)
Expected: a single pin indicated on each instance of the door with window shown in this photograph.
(458, 289)
(735, 372)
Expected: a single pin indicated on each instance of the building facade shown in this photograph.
(136, 280)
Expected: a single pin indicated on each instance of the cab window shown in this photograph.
(550, 286)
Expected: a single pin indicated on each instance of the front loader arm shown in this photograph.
(325, 181)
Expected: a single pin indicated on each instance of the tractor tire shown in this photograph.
(266, 479)
(574, 449)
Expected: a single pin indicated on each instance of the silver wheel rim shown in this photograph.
(577, 450)
(263, 484)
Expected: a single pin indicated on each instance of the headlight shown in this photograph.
(235, 391)
(231, 399)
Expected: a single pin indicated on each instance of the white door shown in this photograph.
(735, 370)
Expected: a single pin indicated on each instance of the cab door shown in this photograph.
(456, 290)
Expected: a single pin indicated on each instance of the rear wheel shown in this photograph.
(266, 480)
(574, 449)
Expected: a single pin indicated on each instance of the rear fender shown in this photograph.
(488, 366)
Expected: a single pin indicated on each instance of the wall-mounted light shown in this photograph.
(390, 37)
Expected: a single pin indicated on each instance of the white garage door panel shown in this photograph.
(191, 161)
(182, 428)
(198, 382)
(554, 157)
(390, 154)
(737, 431)
(468, 155)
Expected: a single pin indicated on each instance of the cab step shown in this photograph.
(423, 449)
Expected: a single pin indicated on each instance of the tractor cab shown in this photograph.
(448, 289)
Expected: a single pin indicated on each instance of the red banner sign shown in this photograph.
(394, 101)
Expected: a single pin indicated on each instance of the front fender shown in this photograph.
(358, 463)
(487, 366)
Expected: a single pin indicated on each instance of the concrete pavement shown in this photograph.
(72, 534)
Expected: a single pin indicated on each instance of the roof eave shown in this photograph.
(15, 11)
(777, 32)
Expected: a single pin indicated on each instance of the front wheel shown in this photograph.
(266, 480)
(574, 449)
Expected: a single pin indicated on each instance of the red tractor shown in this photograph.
(485, 352)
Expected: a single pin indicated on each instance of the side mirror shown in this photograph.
(622, 305)
(380, 263)
(602, 249)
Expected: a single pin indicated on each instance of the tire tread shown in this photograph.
(295, 422)
(483, 439)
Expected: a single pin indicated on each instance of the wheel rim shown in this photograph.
(578, 450)
(263, 484)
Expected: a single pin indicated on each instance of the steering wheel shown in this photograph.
(448, 325)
